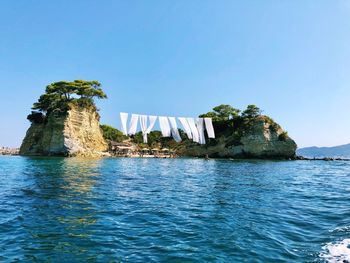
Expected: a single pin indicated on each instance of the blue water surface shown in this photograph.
(171, 210)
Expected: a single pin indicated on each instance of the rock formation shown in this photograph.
(262, 138)
(66, 123)
(75, 133)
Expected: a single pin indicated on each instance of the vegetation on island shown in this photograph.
(156, 140)
(230, 124)
(234, 123)
(112, 134)
(60, 95)
(228, 121)
(226, 112)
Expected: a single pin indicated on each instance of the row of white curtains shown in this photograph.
(193, 127)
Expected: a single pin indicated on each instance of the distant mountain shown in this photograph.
(336, 151)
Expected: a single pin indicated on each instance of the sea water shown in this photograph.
(173, 210)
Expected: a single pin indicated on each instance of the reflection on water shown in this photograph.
(151, 210)
(54, 207)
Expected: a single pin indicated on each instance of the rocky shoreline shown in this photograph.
(302, 158)
(297, 158)
(169, 154)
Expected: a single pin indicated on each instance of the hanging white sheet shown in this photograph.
(124, 120)
(133, 124)
(164, 126)
(200, 128)
(174, 131)
(143, 124)
(144, 128)
(194, 131)
(186, 127)
(152, 120)
(209, 127)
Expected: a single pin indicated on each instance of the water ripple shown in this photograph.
(173, 210)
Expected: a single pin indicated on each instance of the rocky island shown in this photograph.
(239, 134)
(65, 122)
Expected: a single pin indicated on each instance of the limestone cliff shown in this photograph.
(74, 133)
(262, 138)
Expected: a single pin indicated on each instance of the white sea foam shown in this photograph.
(337, 252)
(342, 229)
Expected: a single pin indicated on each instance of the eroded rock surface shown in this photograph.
(76, 133)
(263, 139)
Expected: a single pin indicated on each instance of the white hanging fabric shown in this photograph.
(152, 120)
(124, 120)
(133, 124)
(143, 124)
(194, 131)
(186, 127)
(174, 131)
(164, 126)
(193, 127)
(200, 128)
(144, 128)
(209, 127)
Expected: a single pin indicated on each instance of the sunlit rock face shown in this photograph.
(76, 133)
(262, 139)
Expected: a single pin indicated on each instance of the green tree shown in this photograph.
(58, 94)
(226, 112)
(89, 89)
(112, 134)
(209, 114)
(152, 138)
(283, 136)
(252, 111)
(222, 112)
(47, 101)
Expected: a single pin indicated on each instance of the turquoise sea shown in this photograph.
(173, 210)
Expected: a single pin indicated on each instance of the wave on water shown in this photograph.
(341, 229)
(337, 252)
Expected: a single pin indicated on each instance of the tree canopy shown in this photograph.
(226, 112)
(222, 112)
(58, 94)
(112, 134)
(252, 111)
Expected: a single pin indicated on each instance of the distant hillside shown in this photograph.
(336, 151)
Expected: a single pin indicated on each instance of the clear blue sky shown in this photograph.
(291, 58)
